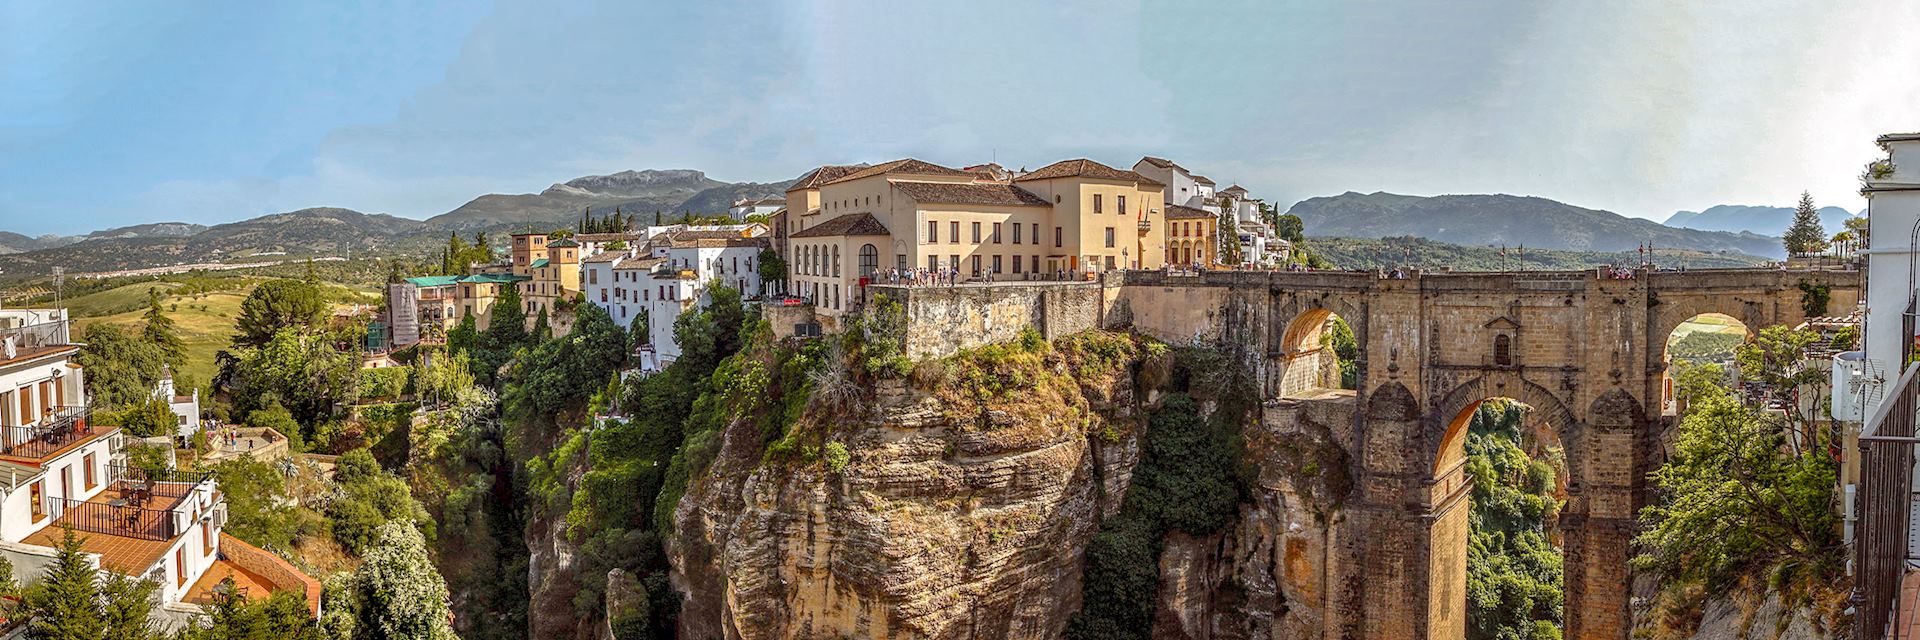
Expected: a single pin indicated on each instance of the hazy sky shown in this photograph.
(122, 113)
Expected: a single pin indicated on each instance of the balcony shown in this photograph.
(60, 429)
(19, 340)
(157, 505)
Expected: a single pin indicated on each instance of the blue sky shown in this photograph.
(115, 113)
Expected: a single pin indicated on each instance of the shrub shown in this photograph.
(835, 456)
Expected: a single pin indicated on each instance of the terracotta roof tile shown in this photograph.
(903, 165)
(1084, 168)
(1178, 212)
(852, 224)
(975, 193)
(824, 174)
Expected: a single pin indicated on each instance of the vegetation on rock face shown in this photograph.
(1189, 479)
(396, 593)
(1746, 504)
(1346, 350)
(1515, 571)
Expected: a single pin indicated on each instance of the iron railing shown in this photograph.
(14, 340)
(115, 517)
(1883, 505)
(57, 429)
(137, 475)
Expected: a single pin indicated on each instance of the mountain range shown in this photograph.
(1772, 221)
(325, 231)
(1487, 220)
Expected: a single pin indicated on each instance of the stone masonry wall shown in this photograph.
(942, 321)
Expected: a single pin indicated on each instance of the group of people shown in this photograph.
(921, 277)
(1619, 273)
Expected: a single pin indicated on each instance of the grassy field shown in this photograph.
(205, 319)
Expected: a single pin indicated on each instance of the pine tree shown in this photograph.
(71, 602)
(542, 331)
(1806, 235)
(161, 332)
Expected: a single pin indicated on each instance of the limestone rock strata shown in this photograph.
(942, 526)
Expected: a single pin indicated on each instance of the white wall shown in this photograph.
(1891, 219)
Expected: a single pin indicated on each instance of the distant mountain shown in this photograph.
(1483, 220)
(320, 231)
(18, 243)
(150, 230)
(1772, 221)
(1384, 253)
(563, 203)
(718, 199)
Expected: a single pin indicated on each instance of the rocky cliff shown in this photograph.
(969, 498)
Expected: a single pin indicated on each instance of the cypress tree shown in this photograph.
(161, 331)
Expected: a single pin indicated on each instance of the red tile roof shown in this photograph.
(903, 165)
(824, 174)
(1178, 212)
(852, 224)
(1084, 168)
(975, 193)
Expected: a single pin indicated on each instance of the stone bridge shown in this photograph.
(1586, 352)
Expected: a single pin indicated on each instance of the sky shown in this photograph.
(115, 113)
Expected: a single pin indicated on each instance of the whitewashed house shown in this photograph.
(669, 275)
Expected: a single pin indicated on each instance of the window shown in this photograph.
(933, 232)
(1109, 263)
(1016, 233)
(953, 232)
(933, 263)
(1036, 233)
(976, 263)
(206, 538)
(180, 566)
(900, 262)
(1056, 237)
(1109, 237)
(66, 482)
(1016, 262)
(996, 233)
(996, 263)
(953, 262)
(593, 277)
(35, 496)
(869, 260)
(1036, 264)
(603, 295)
(976, 233)
(1503, 350)
(836, 261)
(1120, 205)
(1096, 203)
(87, 462)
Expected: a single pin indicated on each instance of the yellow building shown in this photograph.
(555, 277)
(1069, 219)
(437, 304)
(1192, 237)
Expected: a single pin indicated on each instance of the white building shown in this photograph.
(592, 243)
(669, 275)
(756, 206)
(58, 470)
(186, 408)
(1184, 187)
(1258, 243)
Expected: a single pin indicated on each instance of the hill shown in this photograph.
(1771, 221)
(1371, 253)
(1534, 222)
(563, 203)
(322, 231)
(718, 199)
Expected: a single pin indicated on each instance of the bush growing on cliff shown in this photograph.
(1515, 575)
(1190, 478)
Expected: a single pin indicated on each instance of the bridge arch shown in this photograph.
(1298, 362)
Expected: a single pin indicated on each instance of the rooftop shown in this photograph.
(482, 278)
(975, 193)
(852, 224)
(824, 174)
(1179, 212)
(1084, 168)
(903, 165)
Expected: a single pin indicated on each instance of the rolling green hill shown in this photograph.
(1369, 253)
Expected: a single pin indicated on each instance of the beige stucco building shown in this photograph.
(1065, 220)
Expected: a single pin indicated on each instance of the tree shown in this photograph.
(464, 335)
(258, 510)
(154, 417)
(1858, 226)
(395, 594)
(1737, 507)
(542, 330)
(1773, 359)
(1290, 228)
(506, 333)
(277, 305)
(234, 616)
(72, 602)
(300, 371)
(772, 268)
(370, 498)
(1229, 234)
(161, 332)
(121, 368)
(1805, 236)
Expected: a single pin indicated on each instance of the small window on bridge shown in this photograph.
(1503, 350)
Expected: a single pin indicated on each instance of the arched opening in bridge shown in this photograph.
(1514, 471)
(1318, 355)
(1702, 345)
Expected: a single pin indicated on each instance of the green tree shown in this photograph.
(301, 371)
(1515, 575)
(71, 601)
(542, 329)
(395, 594)
(161, 332)
(121, 368)
(771, 268)
(506, 333)
(1773, 359)
(154, 417)
(1738, 507)
(1290, 228)
(276, 305)
(370, 498)
(258, 509)
(1805, 235)
(1229, 234)
(233, 616)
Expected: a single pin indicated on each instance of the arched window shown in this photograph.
(1503, 350)
(836, 261)
(869, 260)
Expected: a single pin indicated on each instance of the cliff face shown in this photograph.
(957, 518)
(952, 520)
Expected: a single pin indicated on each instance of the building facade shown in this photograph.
(847, 225)
(424, 309)
(670, 274)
